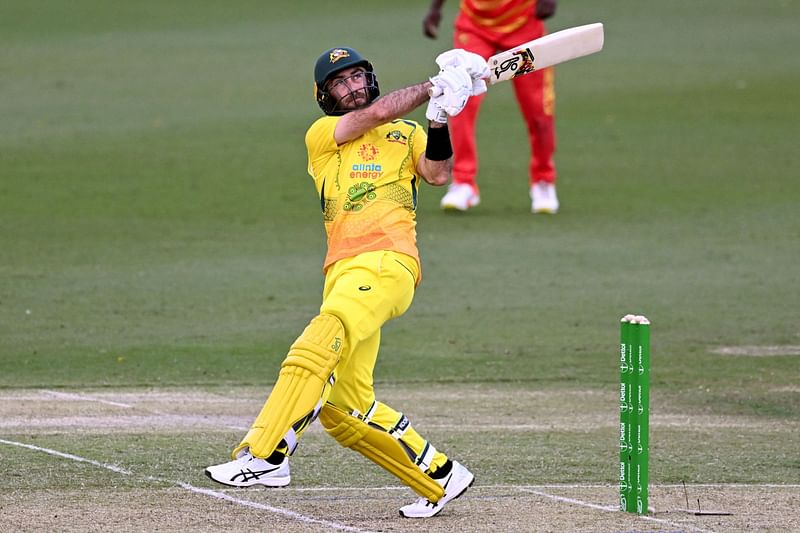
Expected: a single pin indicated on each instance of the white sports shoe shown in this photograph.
(246, 471)
(460, 196)
(543, 198)
(455, 484)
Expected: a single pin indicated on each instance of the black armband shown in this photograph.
(439, 147)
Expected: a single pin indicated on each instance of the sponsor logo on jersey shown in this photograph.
(370, 171)
(368, 152)
(395, 136)
(359, 195)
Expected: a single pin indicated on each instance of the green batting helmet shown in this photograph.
(336, 60)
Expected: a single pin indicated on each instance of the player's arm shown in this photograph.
(385, 109)
(430, 24)
(395, 105)
(436, 163)
(453, 87)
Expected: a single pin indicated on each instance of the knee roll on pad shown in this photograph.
(379, 447)
(295, 398)
(318, 348)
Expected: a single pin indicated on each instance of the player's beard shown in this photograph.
(355, 99)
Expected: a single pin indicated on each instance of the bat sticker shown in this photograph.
(521, 63)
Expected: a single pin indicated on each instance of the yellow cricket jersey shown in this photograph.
(367, 187)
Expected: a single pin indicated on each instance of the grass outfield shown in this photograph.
(160, 233)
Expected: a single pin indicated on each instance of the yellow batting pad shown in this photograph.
(379, 447)
(300, 386)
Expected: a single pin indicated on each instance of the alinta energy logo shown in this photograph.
(370, 171)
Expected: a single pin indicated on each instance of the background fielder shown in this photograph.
(486, 27)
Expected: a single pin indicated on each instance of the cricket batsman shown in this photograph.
(367, 163)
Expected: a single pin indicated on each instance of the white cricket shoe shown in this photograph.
(247, 470)
(543, 198)
(455, 484)
(460, 196)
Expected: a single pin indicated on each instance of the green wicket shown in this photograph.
(634, 413)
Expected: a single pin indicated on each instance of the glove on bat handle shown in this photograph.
(434, 91)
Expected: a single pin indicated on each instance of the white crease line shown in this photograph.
(90, 423)
(113, 468)
(158, 418)
(207, 492)
(342, 527)
(610, 508)
(81, 397)
(263, 507)
(662, 421)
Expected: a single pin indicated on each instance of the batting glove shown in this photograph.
(476, 67)
(435, 113)
(451, 89)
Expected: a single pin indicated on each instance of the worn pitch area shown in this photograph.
(94, 460)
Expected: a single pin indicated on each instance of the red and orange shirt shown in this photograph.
(502, 16)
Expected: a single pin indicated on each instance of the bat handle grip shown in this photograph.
(434, 91)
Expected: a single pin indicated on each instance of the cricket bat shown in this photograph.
(546, 51)
(543, 52)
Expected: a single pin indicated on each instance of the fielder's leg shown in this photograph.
(463, 125)
(535, 94)
(463, 192)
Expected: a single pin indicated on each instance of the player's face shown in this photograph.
(349, 87)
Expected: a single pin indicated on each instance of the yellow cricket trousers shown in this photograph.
(365, 292)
